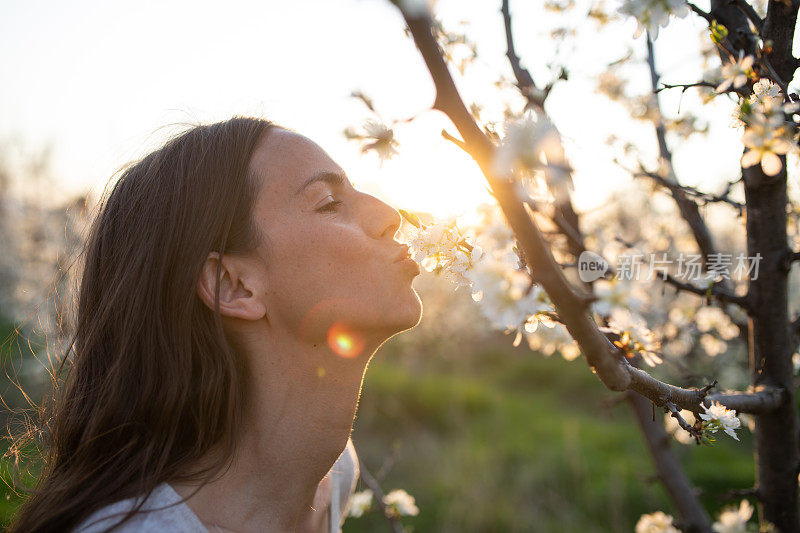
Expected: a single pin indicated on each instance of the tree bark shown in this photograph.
(776, 439)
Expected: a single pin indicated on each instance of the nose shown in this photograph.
(381, 219)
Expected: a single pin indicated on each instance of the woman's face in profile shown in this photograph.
(328, 250)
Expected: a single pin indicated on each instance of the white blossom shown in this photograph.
(736, 73)
(657, 522)
(653, 14)
(733, 520)
(766, 138)
(533, 144)
(635, 336)
(614, 293)
(441, 247)
(401, 503)
(721, 418)
(714, 318)
(360, 503)
(376, 136)
(766, 94)
(507, 298)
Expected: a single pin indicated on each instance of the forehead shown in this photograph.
(284, 160)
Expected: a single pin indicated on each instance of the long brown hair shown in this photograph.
(151, 385)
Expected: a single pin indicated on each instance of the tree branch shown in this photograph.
(606, 360)
(684, 86)
(565, 216)
(600, 353)
(670, 471)
(750, 13)
(700, 197)
(524, 79)
(716, 290)
(700, 12)
(761, 401)
(687, 207)
(779, 28)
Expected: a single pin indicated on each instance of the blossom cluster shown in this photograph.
(717, 417)
(653, 14)
(634, 336)
(763, 114)
(398, 503)
(442, 248)
(657, 522)
(731, 520)
(532, 147)
(374, 136)
(496, 276)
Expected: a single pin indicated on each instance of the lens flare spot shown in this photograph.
(344, 342)
(320, 372)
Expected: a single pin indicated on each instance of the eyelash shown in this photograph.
(330, 206)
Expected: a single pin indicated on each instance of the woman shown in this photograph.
(235, 287)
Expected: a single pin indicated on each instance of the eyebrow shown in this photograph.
(332, 178)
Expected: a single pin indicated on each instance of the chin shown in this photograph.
(402, 316)
(408, 314)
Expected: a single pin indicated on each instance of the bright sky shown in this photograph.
(99, 81)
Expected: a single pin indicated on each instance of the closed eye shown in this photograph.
(331, 206)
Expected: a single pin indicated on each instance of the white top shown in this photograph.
(172, 515)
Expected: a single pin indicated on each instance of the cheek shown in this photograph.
(331, 262)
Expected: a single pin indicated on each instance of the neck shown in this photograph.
(301, 404)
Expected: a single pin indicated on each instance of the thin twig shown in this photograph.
(702, 198)
(700, 12)
(373, 485)
(671, 408)
(738, 494)
(684, 86)
(716, 290)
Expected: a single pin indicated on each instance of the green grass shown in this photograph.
(513, 441)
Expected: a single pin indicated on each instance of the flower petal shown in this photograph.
(771, 164)
(750, 158)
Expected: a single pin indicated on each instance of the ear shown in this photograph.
(238, 294)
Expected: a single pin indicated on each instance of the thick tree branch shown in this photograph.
(750, 13)
(600, 353)
(764, 399)
(606, 360)
(779, 28)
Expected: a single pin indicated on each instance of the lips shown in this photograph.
(402, 254)
(404, 258)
